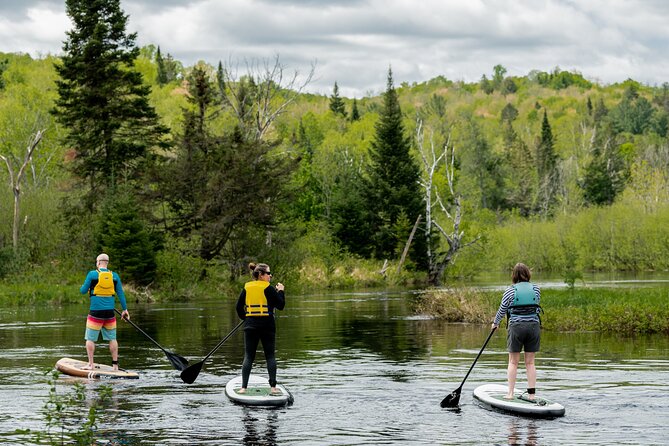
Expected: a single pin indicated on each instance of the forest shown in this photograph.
(184, 174)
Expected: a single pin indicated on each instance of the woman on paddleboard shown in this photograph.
(520, 302)
(103, 286)
(256, 305)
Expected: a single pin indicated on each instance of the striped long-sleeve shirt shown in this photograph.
(507, 300)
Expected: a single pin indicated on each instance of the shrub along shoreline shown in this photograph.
(613, 310)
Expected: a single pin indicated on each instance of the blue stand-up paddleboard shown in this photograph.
(492, 396)
(257, 393)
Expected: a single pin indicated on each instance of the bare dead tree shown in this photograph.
(15, 179)
(438, 261)
(262, 94)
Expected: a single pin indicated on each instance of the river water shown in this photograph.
(363, 371)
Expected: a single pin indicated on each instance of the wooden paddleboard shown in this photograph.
(492, 396)
(74, 367)
(257, 392)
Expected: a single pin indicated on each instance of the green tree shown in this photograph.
(604, 176)
(161, 78)
(3, 66)
(102, 100)
(547, 166)
(337, 103)
(394, 175)
(124, 235)
(480, 167)
(219, 187)
(355, 114)
(486, 86)
(499, 72)
(633, 114)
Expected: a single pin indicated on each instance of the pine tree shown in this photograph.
(336, 103)
(124, 236)
(161, 77)
(355, 114)
(547, 166)
(394, 189)
(102, 100)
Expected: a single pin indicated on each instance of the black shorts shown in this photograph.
(523, 336)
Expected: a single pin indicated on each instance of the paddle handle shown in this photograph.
(478, 356)
(140, 330)
(223, 340)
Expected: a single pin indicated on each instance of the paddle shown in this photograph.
(178, 362)
(190, 374)
(453, 398)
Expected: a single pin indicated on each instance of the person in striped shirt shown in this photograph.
(103, 287)
(520, 302)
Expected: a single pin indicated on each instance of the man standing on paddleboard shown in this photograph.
(103, 287)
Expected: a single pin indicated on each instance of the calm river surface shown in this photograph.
(362, 369)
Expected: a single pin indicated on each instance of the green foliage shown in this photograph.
(123, 235)
(621, 311)
(65, 421)
(336, 102)
(102, 100)
(393, 180)
(355, 114)
(558, 79)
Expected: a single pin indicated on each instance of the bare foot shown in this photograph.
(508, 397)
(275, 392)
(242, 390)
(88, 367)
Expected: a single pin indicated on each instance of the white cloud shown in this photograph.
(354, 41)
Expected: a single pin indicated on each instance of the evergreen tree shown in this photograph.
(102, 100)
(355, 114)
(547, 166)
(394, 191)
(486, 86)
(161, 77)
(336, 103)
(3, 67)
(509, 113)
(520, 174)
(220, 186)
(604, 176)
(123, 235)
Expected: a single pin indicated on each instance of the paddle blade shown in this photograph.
(189, 375)
(452, 399)
(178, 362)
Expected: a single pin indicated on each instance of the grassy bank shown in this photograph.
(190, 280)
(628, 311)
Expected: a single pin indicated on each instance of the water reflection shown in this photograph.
(522, 432)
(260, 425)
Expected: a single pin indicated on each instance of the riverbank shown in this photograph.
(614, 310)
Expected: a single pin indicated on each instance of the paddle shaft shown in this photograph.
(477, 358)
(222, 341)
(141, 331)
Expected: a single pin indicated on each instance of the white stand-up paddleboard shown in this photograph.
(74, 367)
(257, 393)
(492, 396)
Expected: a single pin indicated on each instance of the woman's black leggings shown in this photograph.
(251, 338)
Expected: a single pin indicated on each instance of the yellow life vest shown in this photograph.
(256, 302)
(105, 285)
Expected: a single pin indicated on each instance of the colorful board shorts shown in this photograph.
(95, 325)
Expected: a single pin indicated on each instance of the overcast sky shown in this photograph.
(354, 42)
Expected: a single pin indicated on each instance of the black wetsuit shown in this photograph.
(260, 329)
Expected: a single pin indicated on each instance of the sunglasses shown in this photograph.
(267, 273)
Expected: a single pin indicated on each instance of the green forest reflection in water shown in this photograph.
(363, 370)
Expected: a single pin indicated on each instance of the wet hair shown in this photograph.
(258, 269)
(521, 273)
